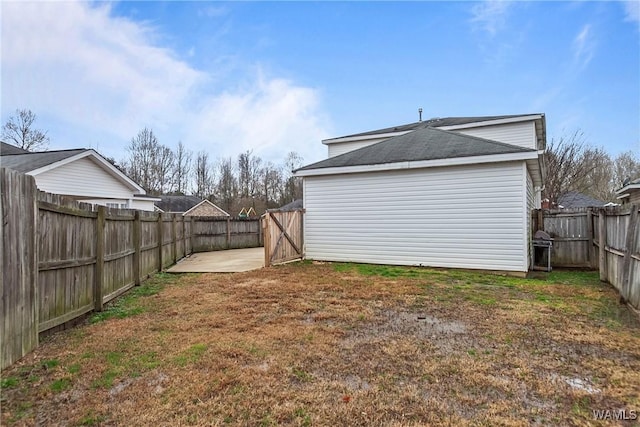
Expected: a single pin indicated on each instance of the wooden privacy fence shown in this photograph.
(283, 236)
(607, 239)
(213, 233)
(62, 259)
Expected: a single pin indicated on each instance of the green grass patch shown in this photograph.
(60, 385)
(106, 380)
(50, 364)
(74, 369)
(301, 375)
(132, 302)
(92, 419)
(191, 355)
(8, 382)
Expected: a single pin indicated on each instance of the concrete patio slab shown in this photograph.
(230, 261)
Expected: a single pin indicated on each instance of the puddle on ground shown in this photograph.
(392, 322)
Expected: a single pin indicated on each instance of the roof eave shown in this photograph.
(108, 167)
(516, 119)
(363, 137)
(420, 164)
(628, 187)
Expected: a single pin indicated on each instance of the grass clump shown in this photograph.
(132, 303)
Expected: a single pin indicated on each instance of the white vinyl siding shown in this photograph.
(459, 216)
(82, 178)
(338, 148)
(531, 202)
(520, 134)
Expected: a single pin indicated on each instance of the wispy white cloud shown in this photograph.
(632, 11)
(213, 11)
(583, 47)
(75, 63)
(490, 16)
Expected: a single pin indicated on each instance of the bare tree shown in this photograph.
(19, 130)
(598, 179)
(182, 169)
(227, 185)
(292, 185)
(272, 184)
(150, 163)
(248, 174)
(567, 166)
(625, 166)
(204, 176)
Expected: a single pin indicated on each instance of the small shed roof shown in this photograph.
(423, 144)
(574, 199)
(293, 206)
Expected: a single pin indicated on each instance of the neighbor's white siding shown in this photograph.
(84, 178)
(520, 134)
(338, 148)
(464, 217)
(143, 205)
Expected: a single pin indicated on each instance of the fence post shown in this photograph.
(184, 237)
(174, 238)
(136, 247)
(629, 251)
(160, 240)
(602, 240)
(267, 240)
(592, 249)
(191, 234)
(540, 219)
(228, 232)
(99, 280)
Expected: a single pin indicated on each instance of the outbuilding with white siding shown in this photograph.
(454, 192)
(82, 174)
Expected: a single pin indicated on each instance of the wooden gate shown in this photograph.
(283, 240)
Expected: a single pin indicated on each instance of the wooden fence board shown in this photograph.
(283, 236)
(62, 259)
(19, 265)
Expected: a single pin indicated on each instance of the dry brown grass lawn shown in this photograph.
(338, 344)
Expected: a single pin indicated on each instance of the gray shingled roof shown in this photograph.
(435, 122)
(28, 162)
(177, 203)
(295, 205)
(422, 144)
(6, 149)
(573, 199)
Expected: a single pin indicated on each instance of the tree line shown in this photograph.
(231, 183)
(572, 164)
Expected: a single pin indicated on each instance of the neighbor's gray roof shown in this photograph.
(422, 144)
(435, 122)
(28, 162)
(573, 199)
(177, 203)
(295, 205)
(6, 149)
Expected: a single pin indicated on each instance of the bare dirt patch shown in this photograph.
(339, 344)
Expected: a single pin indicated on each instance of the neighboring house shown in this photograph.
(189, 206)
(452, 192)
(629, 194)
(574, 199)
(82, 174)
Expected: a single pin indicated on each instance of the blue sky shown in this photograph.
(280, 76)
